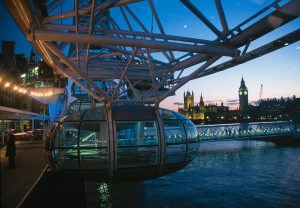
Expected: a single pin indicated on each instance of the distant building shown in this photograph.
(279, 109)
(8, 61)
(201, 113)
(12, 68)
(190, 110)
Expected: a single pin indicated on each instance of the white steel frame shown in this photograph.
(127, 56)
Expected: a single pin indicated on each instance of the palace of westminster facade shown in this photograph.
(267, 110)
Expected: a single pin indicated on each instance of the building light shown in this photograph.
(16, 88)
(7, 84)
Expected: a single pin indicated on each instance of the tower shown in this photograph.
(188, 100)
(201, 106)
(243, 97)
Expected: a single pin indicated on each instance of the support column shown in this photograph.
(161, 142)
(93, 103)
(112, 150)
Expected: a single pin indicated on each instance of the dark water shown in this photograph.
(224, 174)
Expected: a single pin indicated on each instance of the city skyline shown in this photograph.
(278, 71)
(233, 104)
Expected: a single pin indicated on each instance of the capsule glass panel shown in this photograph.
(193, 138)
(66, 151)
(93, 144)
(137, 143)
(175, 137)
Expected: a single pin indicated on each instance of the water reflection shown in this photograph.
(236, 173)
(104, 195)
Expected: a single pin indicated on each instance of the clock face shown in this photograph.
(245, 92)
(241, 92)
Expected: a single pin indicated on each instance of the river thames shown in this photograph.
(224, 174)
(236, 173)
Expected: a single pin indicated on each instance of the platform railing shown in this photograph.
(248, 130)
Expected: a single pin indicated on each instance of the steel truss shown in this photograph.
(95, 47)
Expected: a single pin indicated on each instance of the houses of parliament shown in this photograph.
(266, 110)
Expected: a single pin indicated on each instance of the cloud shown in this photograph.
(213, 101)
(298, 48)
(256, 102)
(185, 26)
(178, 103)
(232, 102)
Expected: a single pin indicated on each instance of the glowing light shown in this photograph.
(7, 84)
(23, 75)
(16, 88)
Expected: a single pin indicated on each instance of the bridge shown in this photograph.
(248, 130)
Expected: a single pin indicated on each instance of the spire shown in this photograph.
(201, 101)
(243, 85)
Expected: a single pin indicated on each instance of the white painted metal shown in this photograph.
(145, 62)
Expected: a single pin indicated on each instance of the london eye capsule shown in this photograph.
(128, 142)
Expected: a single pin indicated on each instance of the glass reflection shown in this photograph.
(104, 195)
(93, 144)
(137, 143)
(66, 139)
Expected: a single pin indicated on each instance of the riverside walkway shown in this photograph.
(17, 182)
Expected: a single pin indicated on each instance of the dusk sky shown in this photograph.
(279, 71)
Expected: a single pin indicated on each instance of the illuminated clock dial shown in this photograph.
(241, 92)
(245, 92)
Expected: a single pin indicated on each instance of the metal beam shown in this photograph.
(276, 19)
(74, 68)
(222, 16)
(124, 73)
(265, 49)
(134, 33)
(104, 40)
(106, 5)
(196, 12)
(188, 78)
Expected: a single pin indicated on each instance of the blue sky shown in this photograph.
(278, 71)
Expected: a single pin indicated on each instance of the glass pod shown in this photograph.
(137, 143)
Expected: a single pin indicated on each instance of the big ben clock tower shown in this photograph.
(243, 97)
